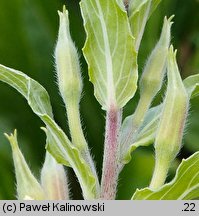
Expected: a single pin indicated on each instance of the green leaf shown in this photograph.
(185, 185)
(59, 145)
(139, 13)
(64, 150)
(35, 94)
(192, 85)
(109, 52)
(147, 131)
(27, 185)
(145, 135)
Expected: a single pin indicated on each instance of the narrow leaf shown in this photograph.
(109, 51)
(68, 153)
(60, 146)
(192, 85)
(139, 13)
(185, 185)
(145, 135)
(35, 94)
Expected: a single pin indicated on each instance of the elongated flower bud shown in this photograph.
(53, 180)
(153, 74)
(69, 78)
(170, 131)
(67, 62)
(28, 187)
(70, 86)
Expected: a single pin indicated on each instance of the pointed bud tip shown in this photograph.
(12, 138)
(64, 9)
(169, 20)
(44, 129)
(63, 12)
(172, 51)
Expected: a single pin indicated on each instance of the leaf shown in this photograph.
(192, 85)
(145, 135)
(36, 96)
(185, 185)
(27, 185)
(59, 145)
(34, 93)
(139, 13)
(68, 153)
(109, 52)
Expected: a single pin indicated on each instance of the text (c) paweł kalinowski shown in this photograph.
(67, 207)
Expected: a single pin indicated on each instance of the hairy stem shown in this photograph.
(160, 172)
(78, 138)
(139, 114)
(74, 122)
(110, 170)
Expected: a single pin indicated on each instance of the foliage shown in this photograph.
(113, 70)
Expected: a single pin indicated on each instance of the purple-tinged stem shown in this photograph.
(110, 170)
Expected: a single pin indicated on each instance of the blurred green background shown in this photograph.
(28, 30)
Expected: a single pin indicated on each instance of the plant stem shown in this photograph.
(78, 138)
(139, 114)
(110, 170)
(141, 109)
(160, 172)
(74, 122)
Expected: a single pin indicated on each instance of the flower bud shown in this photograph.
(67, 62)
(170, 130)
(53, 180)
(28, 188)
(153, 74)
(152, 77)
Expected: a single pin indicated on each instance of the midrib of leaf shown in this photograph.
(109, 52)
(182, 176)
(18, 80)
(143, 23)
(101, 50)
(108, 57)
(38, 100)
(187, 192)
(179, 181)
